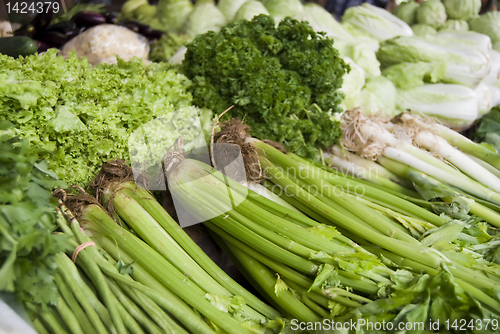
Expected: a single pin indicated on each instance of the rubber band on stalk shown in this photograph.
(80, 248)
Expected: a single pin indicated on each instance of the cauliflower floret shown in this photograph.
(102, 43)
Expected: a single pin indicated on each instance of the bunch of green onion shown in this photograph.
(446, 172)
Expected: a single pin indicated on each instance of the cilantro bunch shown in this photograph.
(283, 80)
(27, 220)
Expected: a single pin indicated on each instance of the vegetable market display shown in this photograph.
(322, 157)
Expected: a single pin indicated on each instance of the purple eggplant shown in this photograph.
(27, 30)
(54, 38)
(88, 19)
(68, 28)
(143, 29)
(111, 17)
(132, 26)
(42, 20)
(153, 34)
(42, 46)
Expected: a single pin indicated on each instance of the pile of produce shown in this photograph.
(82, 116)
(380, 246)
(282, 79)
(68, 285)
(54, 32)
(424, 58)
(452, 53)
(318, 155)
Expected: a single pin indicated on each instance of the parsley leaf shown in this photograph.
(282, 80)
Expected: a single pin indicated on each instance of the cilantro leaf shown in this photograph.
(27, 221)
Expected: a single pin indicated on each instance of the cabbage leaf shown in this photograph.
(362, 54)
(230, 7)
(379, 97)
(173, 13)
(283, 8)
(488, 24)
(454, 105)
(407, 11)
(249, 10)
(376, 22)
(352, 84)
(321, 20)
(423, 30)
(467, 60)
(431, 12)
(455, 25)
(462, 9)
(411, 75)
(205, 17)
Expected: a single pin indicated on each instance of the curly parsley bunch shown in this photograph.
(284, 80)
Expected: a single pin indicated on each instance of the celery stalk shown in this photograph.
(362, 284)
(266, 280)
(150, 204)
(155, 264)
(159, 239)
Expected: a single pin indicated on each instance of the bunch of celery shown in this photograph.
(95, 294)
(382, 223)
(168, 261)
(305, 268)
(310, 257)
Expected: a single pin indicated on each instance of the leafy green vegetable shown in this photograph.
(27, 220)
(130, 6)
(464, 53)
(489, 129)
(411, 75)
(146, 13)
(406, 11)
(362, 54)
(164, 48)
(376, 22)
(321, 20)
(455, 25)
(273, 76)
(82, 116)
(425, 300)
(230, 7)
(423, 30)
(352, 84)
(205, 17)
(462, 9)
(249, 10)
(488, 24)
(283, 8)
(431, 12)
(454, 105)
(149, 144)
(173, 13)
(379, 97)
